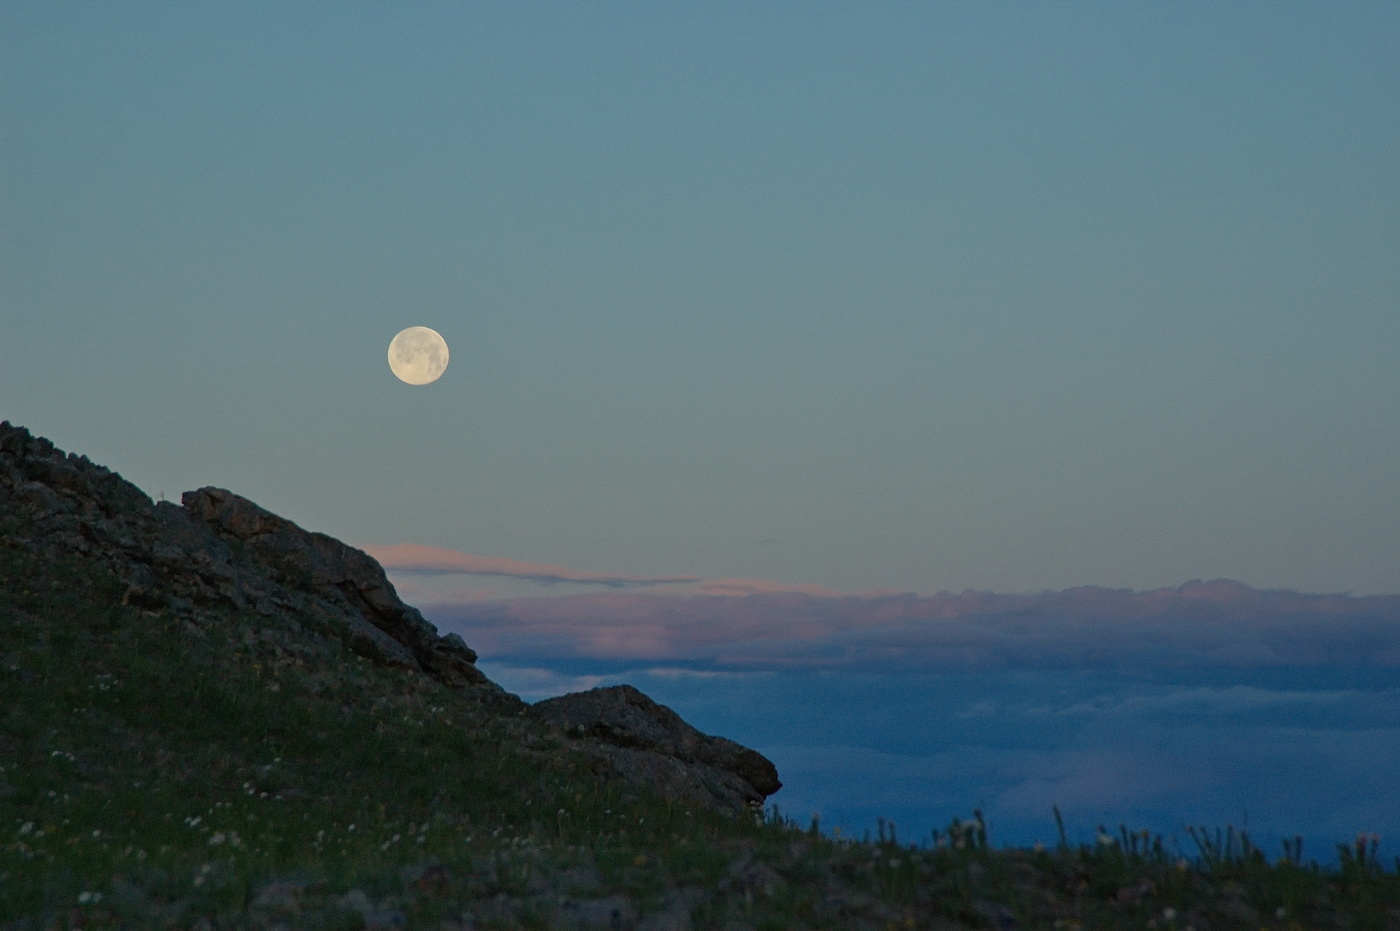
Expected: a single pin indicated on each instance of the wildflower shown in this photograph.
(1039, 847)
(1105, 840)
(1168, 913)
(26, 828)
(1281, 913)
(217, 839)
(85, 898)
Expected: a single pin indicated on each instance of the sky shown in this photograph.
(914, 297)
(768, 324)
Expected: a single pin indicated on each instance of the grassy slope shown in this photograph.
(154, 775)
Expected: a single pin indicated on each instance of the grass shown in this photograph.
(242, 774)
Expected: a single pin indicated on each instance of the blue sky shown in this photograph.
(919, 297)
(786, 300)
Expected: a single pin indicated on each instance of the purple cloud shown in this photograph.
(1218, 623)
(417, 558)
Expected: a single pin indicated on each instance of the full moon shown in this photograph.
(418, 355)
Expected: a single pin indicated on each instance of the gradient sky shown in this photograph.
(891, 296)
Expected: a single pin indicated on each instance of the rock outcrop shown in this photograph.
(653, 739)
(219, 559)
(217, 552)
(343, 584)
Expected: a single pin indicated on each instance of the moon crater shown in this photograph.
(418, 355)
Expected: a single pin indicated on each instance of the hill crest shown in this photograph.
(218, 554)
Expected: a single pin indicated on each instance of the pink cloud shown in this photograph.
(759, 587)
(414, 557)
(1211, 623)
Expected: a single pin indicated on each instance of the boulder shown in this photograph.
(625, 718)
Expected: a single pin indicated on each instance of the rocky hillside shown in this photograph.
(219, 561)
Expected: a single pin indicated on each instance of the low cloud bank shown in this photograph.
(1218, 623)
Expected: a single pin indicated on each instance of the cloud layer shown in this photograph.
(1218, 623)
(1206, 703)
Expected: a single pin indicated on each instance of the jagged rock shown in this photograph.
(347, 579)
(624, 717)
(218, 550)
